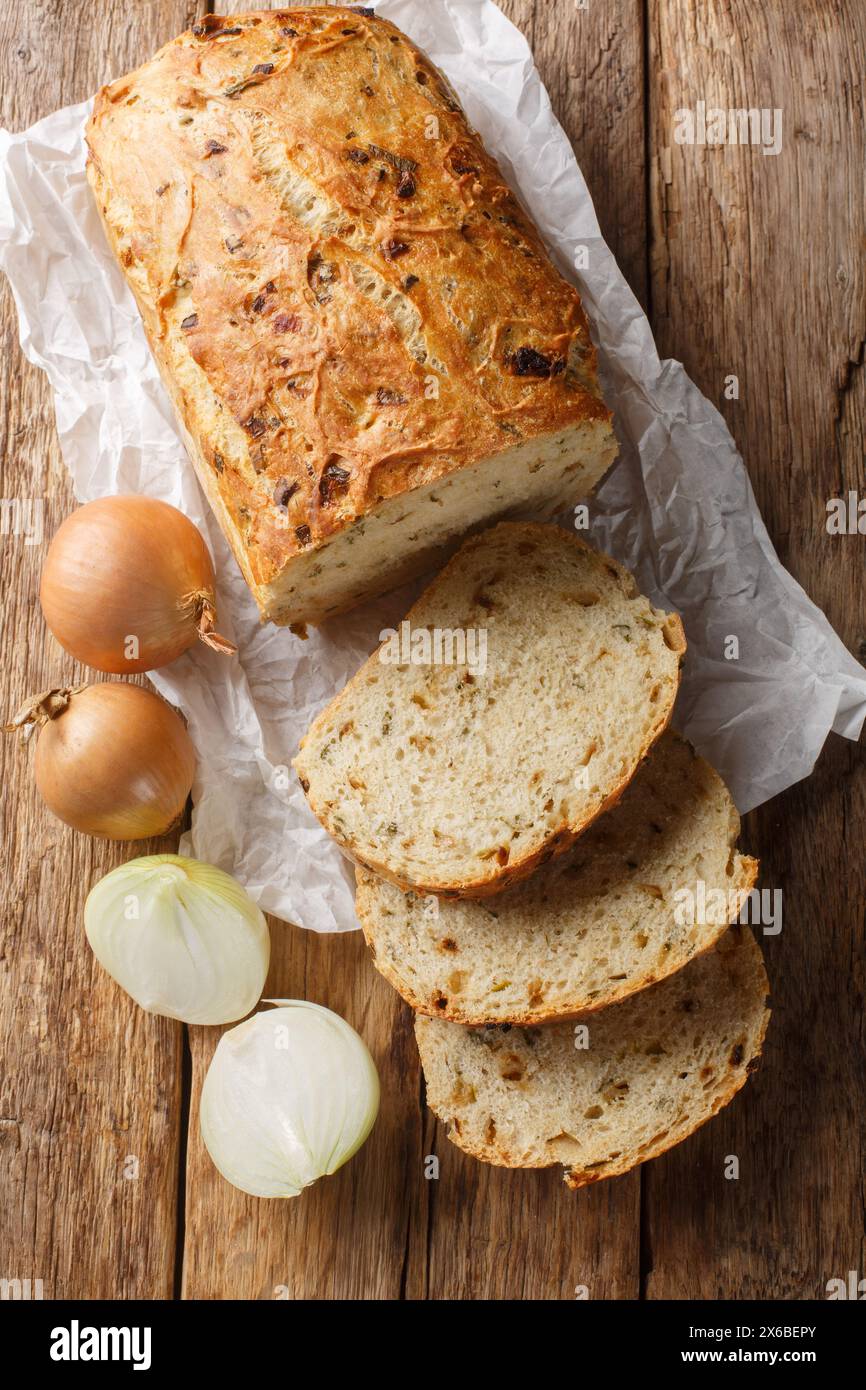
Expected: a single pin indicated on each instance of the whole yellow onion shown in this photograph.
(128, 585)
(112, 760)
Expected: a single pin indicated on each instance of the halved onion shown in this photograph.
(288, 1098)
(112, 760)
(128, 585)
(182, 937)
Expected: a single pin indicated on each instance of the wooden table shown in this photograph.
(748, 265)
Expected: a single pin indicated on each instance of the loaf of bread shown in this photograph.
(655, 1067)
(461, 771)
(366, 344)
(650, 885)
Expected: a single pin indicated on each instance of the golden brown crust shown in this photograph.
(346, 300)
(453, 1012)
(497, 877)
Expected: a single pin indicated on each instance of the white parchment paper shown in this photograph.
(678, 508)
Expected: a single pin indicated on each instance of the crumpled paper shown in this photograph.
(678, 508)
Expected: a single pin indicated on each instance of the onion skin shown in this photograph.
(129, 567)
(116, 762)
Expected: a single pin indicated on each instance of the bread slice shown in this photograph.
(594, 926)
(657, 1066)
(514, 706)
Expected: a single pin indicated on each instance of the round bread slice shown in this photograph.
(657, 1066)
(650, 885)
(511, 709)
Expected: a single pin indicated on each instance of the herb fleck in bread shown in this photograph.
(459, 779)
(363, 336)
(592, 927)
(657, 1067)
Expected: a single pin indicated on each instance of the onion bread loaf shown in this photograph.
(461, 776)
(590, 928)
(366, 344)
(656, 1067)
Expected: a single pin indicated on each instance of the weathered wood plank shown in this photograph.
(90, 1090)
(757, 270)
(592, 62)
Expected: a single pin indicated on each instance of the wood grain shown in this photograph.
(758, 269)
(90, 1090)
(592, 62)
